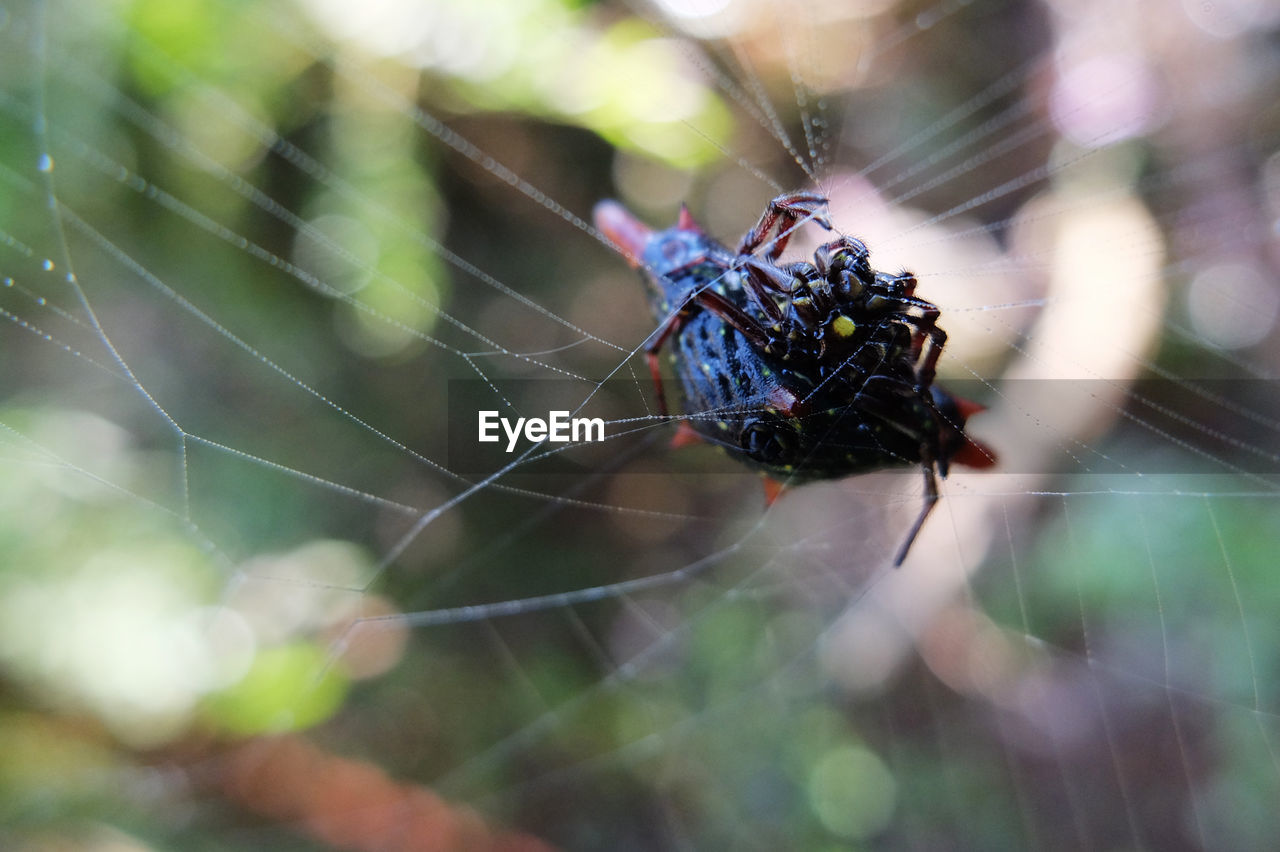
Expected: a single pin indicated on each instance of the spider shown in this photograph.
(804, 370)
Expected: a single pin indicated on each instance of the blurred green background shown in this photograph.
(233, 574)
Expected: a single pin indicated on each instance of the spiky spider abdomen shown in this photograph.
(804, 370)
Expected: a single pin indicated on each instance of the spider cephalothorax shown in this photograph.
(806, 370)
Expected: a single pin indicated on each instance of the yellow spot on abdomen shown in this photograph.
(843, 326)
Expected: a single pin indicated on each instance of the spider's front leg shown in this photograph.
(784, 211)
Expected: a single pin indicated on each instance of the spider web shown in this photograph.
(262, 263)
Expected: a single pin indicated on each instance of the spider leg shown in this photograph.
(930, 499)
(872, 400)
(763, 279)
(923, 317)
(670, 327)
(676, 272)
(924, 328)
(716, 304)
(904, 280)
(784, 211)
(732, 314)
(925, 312)
(927, 370)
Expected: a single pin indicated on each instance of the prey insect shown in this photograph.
(805, 370)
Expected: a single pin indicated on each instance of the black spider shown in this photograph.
(805, 370)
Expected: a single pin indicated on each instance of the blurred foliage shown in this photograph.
(167, 587)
